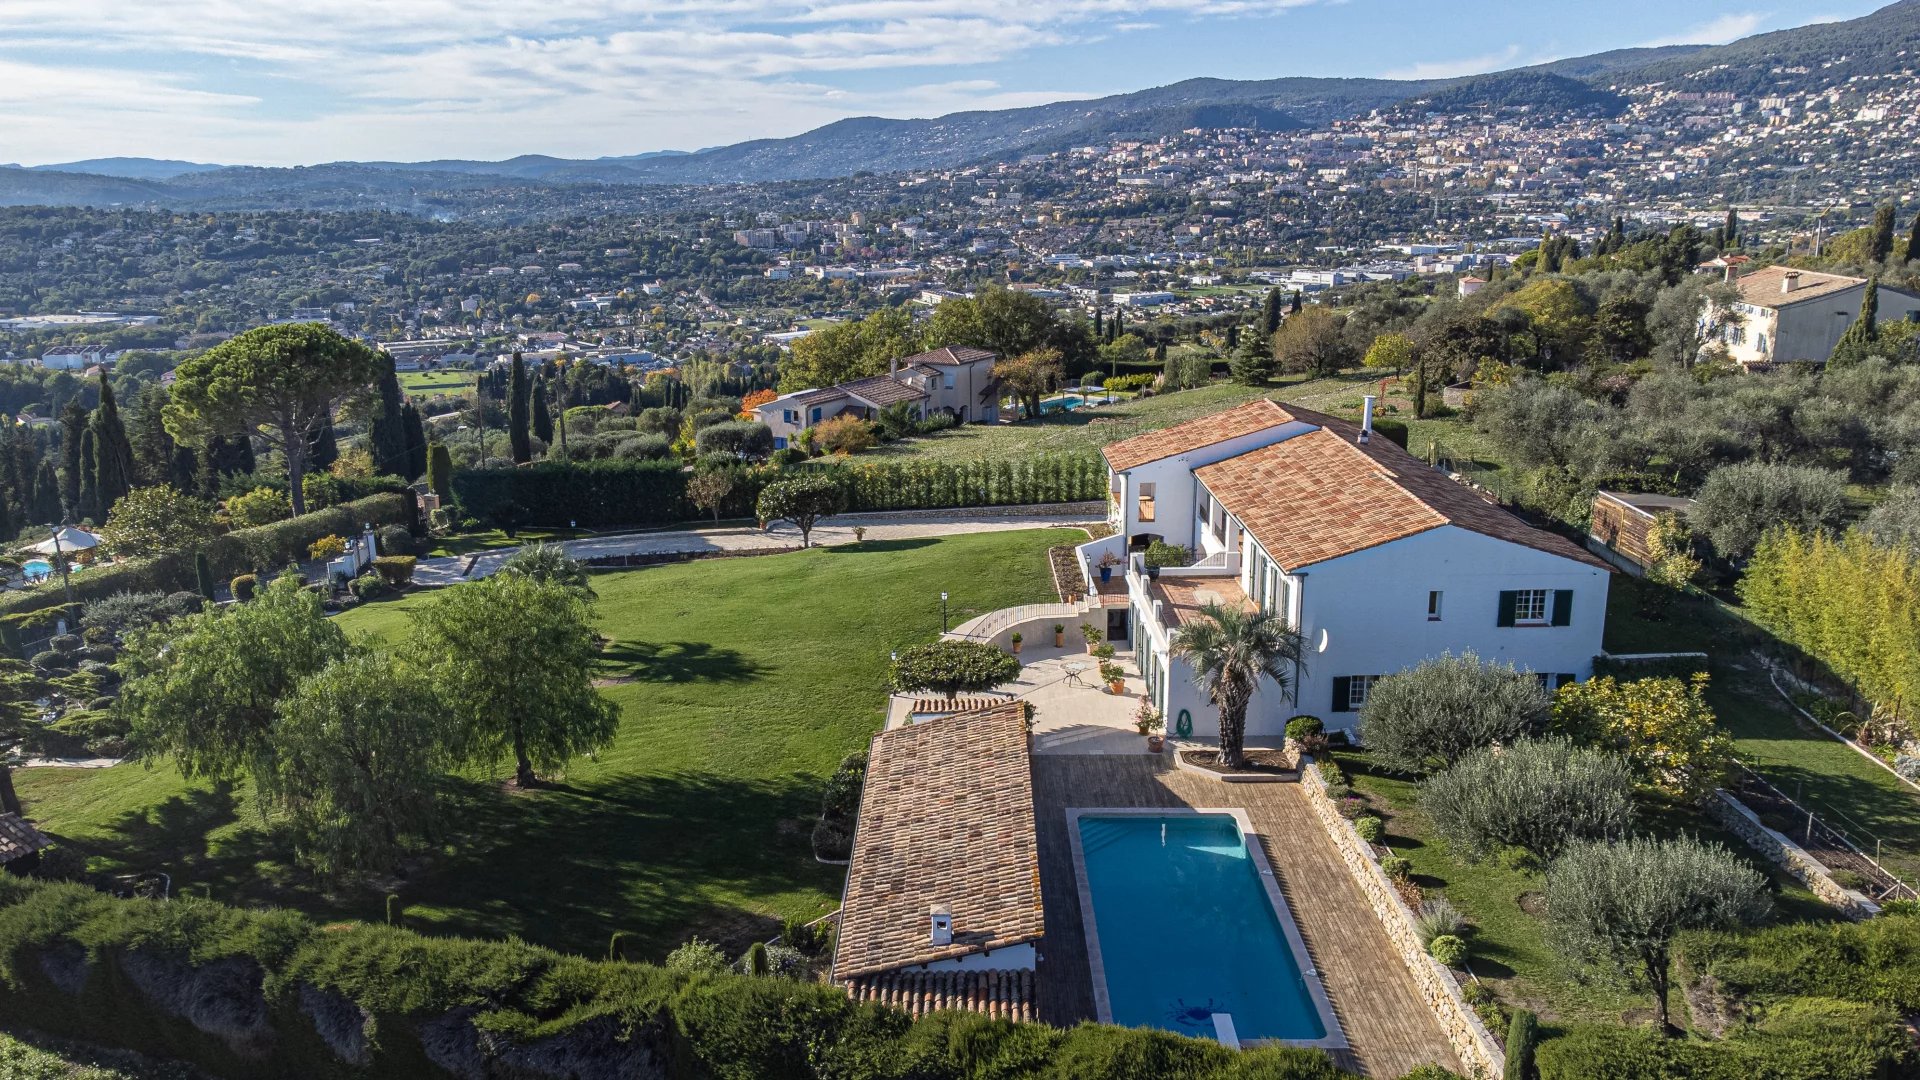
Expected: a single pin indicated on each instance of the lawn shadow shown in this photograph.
(877, 547)
(677, 661)
(569, 865)
(174, 837)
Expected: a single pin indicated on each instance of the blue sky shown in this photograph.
(288, 82)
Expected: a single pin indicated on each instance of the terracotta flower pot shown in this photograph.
(1059, 638)
(1117, 687)
(1154, 744)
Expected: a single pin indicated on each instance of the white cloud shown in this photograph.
(421, 78)
(1729, 27)
(1453, 69)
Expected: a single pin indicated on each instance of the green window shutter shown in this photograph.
(1563, 607)
(1342, 692)
(1507, 601)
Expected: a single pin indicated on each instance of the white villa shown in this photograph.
(956, 380)
(1378, 560)
(1791, 315)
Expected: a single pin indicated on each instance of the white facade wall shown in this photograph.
(1175, 487)
(1366, 613)
(1012, 958)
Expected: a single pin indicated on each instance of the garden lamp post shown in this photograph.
(66, 575)
(943, 613)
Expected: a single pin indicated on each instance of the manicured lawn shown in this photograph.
(493, 539)
(741, 683)
(1509, 947)
(1087, 430)
(430, 383)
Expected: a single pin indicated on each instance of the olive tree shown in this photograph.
(512, 658)
(1433, 715)
(158, 520)
(1738, 503)
(952, 667)
(1540, 795)
(205, 689)
(803, 501)
(1614, 908)
(360, 750)
(280, 382)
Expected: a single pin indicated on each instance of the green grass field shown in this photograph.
(434, 383)
(47, 1059)
(741, 684)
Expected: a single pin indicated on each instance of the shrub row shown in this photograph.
(1665, 667)
(262, 547)
(1797, 1039)
(270, 994)
(934, 485)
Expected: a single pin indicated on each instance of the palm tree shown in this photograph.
(542, 561)
(1230, 649)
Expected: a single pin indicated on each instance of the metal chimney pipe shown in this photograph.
(1366, 420)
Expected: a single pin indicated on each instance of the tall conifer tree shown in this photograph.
(519, 413)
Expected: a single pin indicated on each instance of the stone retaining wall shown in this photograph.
(1472, 1043)
(1728, 810)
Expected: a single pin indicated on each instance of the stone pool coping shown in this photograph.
(1334, 1039)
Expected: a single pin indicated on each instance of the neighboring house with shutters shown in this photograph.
(1378, 560)
(956, 380)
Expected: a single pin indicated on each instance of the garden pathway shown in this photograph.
(780, 537)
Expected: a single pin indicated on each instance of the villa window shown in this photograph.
(1536, 607)
(1433, 606)
(1350, 691)
(946, 380)
(1146, 502)
(1278, 598)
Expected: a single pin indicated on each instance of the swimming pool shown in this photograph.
(36, 569)
(1184, 921)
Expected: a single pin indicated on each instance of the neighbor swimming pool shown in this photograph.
(1183, 922)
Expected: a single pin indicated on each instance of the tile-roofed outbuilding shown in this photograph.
(1003, 995)
(19, 839)
(882, 390)
(1322, 495)
(1194, 434)
(1767, 287)
(950, 355)
(946, 818)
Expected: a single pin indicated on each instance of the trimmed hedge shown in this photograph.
(936, 485)
(1666, 667)
(262, 547)
(596, 494)
(270, 994)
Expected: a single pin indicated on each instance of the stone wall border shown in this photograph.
(1726, 808)
(1472, 1042)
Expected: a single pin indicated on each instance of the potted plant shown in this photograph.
(1059, 635)
(1147, 719)
(1016, 642)
(1094, 636)
(1106, 564)
(1114, 676)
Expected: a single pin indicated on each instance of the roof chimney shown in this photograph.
(1731, 274)
(1366, 420)
(942, 920)
(893, 366)
(1790, 281)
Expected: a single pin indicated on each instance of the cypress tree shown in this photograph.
(113, 453)
(542, 415)
(1860, 337)
(1880, 247)
(1100, 327)
(440, 471)
(153, 446)
(47, 505)
(203, 575)
(88, 507)
(1913, 240)
(519, 414)
(73, 426)
(1115, 328)
(1294, 309)
(323, 448)
(1730, 233)
(416, 431)
(1523, 1038)
(1270, 314)
(387, 434)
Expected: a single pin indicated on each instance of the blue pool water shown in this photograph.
(36, 569)
(1186, 929)
(1061, 405)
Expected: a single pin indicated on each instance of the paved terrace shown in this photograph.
(1387, 1024)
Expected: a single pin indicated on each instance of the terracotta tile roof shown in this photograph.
(1003, 995)
(882, 390)
(952, 354)
(1184, 597)
(1762, 288)
(939, 706)
(1321, 495)
(18, 839)
(825, 393)
(1194, 434)
(946, 817)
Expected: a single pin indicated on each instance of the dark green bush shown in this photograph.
(596, 494)
(929, 485)
(1802, 1039)
(1675, 667)
(253, 994)
(1873, 962)
(397, 570)
(1305, 728)
(1161, 554)
(243, 586)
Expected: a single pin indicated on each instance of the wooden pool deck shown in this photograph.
(1389, 1028)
